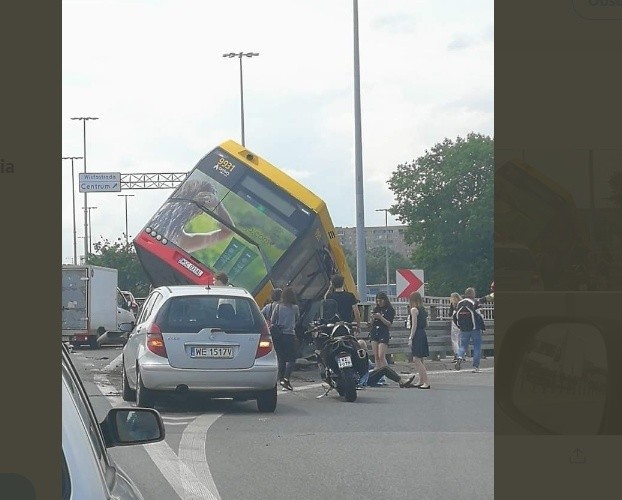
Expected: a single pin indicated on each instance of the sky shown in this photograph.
(153, 74)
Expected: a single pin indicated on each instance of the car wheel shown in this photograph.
(144, 396)
(128, 393)
(266, 401)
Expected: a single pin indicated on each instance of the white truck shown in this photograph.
(92, 306)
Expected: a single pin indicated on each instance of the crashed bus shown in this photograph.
(237, 213)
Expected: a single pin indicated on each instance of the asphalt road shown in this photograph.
(390, 443)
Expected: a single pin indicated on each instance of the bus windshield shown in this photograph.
(243, 233)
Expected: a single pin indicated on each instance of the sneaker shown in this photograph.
(458, 363)
(476, 369)
(286, 385)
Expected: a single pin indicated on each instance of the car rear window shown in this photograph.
(191, 314)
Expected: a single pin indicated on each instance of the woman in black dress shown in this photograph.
(418, 340)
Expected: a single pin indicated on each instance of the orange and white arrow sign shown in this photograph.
(408, 281)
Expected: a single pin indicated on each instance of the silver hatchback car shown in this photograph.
(210, 340)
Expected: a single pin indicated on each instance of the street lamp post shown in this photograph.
(239, 55)
(73, 202)
(386, 242)
(126, 196)
(90, 234)
(84, 119)
(361, 257)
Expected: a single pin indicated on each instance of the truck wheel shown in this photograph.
(144, 396)
(266, 401)
(128, 393)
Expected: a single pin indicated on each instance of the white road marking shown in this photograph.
(192, 452)
(180, 471)
(175, 423)
(187, 417)
(176, 472)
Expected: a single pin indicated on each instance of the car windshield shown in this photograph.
(191, 314)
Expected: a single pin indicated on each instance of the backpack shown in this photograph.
(464, 317)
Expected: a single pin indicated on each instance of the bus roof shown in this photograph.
(279, 177)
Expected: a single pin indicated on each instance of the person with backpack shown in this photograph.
(471, 324)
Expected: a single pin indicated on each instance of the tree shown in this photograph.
(445, 197)
(122, 257)
(376, 261)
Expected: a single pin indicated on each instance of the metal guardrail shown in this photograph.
(439, 340)
(438, 309)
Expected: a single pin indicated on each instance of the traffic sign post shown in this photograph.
(408, 281)
(102, 182)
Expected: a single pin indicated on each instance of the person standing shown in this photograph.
(286, 313)
(381, 319)
(454, 298)
(471, 324)
(268, 309)
(221, 279)
(346, 301)
(418, 340)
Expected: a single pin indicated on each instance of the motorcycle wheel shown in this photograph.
(349, 385)
(339, 387)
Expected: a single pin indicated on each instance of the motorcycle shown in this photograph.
(340, 358)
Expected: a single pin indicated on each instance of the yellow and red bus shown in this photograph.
(237, 213)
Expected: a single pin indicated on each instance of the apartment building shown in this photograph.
(376, 236)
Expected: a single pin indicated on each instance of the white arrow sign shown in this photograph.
(102, 182)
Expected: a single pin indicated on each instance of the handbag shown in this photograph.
(276, 330)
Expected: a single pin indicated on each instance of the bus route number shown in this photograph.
(225, 167)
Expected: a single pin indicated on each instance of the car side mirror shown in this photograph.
(126, 327)
(128, 426)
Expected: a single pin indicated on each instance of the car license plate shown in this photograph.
(211, 352)
(345, 362)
